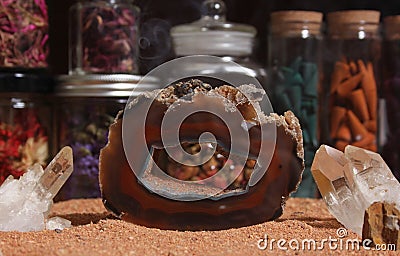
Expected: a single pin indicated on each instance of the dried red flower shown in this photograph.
(21, 144)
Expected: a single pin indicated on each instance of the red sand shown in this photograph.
(96, 232)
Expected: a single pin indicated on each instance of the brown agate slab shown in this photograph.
(132, 190)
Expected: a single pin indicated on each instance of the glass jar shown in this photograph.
(350, 98)
(294, 62)
(213, 35)
(103, 37)
(391, 93)
(24, 34)
(86, 106)
(25, 124)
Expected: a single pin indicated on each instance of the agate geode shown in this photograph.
(243, 202)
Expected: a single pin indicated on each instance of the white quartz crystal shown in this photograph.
(350, 182)
(25, 202)
(57, 223)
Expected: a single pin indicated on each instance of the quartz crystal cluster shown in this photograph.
(350, 182)
(25, 202)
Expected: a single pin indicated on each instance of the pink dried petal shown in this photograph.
(44, 40)
(28, 28)
(43, 7)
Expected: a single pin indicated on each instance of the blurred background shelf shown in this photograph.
(158, 16)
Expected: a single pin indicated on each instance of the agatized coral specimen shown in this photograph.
(141, 199)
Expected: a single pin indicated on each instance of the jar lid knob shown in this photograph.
(214, 10)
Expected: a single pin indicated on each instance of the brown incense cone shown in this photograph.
(345, 88)
(340, 73)
(337, 115)
(368, 84)
(357, 128)
(353, 67)
(373, 104)
(370, 68)
(372, 99)
(343, 133)
(366, 141)
(361, 65)
(360, 106)
(371, 126)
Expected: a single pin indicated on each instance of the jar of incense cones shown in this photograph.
(391, 93)
(103, 37)
(294, 74)
(350, 96)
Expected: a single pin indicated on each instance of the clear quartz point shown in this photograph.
(25, 202)
(350, 182)
(56, 173)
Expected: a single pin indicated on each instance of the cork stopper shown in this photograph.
(293, 16)
(391, 26)
(353, 16)
(294, 23)
(343, 23)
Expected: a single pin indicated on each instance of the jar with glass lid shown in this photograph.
(85, 107)
(103, 37)
(350, 93)
(213, 35)
(294, 71)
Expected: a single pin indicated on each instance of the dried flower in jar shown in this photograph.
(108, 38)
(22, 144)
(23, 34)
(86, 133)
